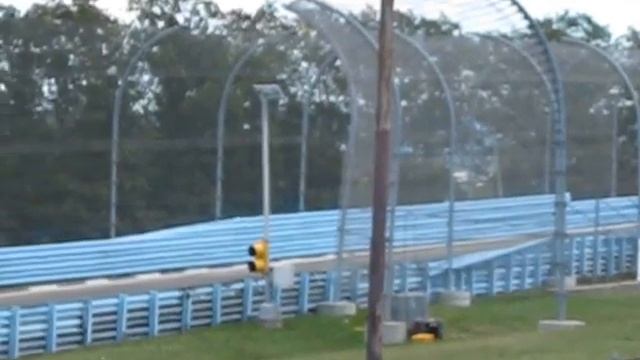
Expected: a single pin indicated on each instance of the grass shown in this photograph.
(502, 328)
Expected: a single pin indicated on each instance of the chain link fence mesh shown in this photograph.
(596, 96)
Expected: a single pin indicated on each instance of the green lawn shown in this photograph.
(502, 328)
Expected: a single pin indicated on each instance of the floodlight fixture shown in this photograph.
(269, 91)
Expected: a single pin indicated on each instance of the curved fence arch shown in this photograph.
(484, 69)
(633, 97)
(333, 24)
(222, 111)
(596, 86)
(631, 65)
(306, 99)
(503, 98)
(530, 60)
(451, 193)
(356, 50)
(115, 122)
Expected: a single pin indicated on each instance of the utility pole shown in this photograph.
(381, 178)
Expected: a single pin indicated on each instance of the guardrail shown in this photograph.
(223, 243)
(26, 331)
(308, 234)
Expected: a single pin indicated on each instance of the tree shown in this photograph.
(577, 25)
(58, 91)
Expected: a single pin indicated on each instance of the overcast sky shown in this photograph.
(617, 14)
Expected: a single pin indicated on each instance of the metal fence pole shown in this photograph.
(614, 152)
(115, 125)
(499, 180)
(632, 93)
(596, 246)
(550, 92)
(222, 115)
(347, 168)
(304, 141)
(559, 151)
(451, 209)
(451, 198)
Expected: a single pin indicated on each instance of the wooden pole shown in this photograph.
(381, 178)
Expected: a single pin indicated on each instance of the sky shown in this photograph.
(617, 14)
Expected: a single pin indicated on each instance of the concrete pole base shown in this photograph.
(546, 326)
(455, 298)
(337, 309)
(393, 333)
(408, 307)
(570, 283)
(270, 316)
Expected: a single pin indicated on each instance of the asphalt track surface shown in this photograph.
(143, 283)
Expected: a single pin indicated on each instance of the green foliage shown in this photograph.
(577, 25)
(56, 92)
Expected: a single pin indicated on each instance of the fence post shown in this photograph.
(636, 263)
(404, 278)
(51, 330)
(355, 285)
(524, 273)
(216, 305)
(303, 294)
(596, 256)
(623, 255)
(572, 255)
(583, 256)
(330, 286)
(121, 321)
(538, 266)
(610, 253)
(596, 243)
(247, 299)
(154, 312)
(277, 295)
(462, 281)
(426, 279)
(87, 319)
(492, 277)
(186, 311)
(509, 274)
(14, 333)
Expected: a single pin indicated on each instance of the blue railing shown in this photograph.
(54, 328)
(307, 234)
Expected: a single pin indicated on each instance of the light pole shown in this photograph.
(269, 312)
(221, 120)
(266, 92)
